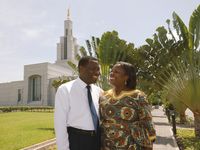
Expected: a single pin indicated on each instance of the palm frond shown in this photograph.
(73, 67)
(182, 81)
(194, 29)
(83, 52)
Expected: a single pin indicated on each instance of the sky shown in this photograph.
(30, 29)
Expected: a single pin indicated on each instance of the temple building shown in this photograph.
(36, 88)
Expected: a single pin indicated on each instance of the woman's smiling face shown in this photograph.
(118, 76)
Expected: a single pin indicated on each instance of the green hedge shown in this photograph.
(27, 108)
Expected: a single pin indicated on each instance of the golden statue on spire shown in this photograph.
(68, 14)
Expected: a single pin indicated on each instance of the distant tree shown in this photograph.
(108, 50)
(111, 49)
(163, 50)
(57, 82)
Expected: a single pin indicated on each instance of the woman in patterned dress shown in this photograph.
(126, 120)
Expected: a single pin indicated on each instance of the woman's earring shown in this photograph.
(125, 82)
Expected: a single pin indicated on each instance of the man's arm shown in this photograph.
(60, 118)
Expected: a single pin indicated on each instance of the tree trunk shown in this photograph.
(197, 124)
(182, 117)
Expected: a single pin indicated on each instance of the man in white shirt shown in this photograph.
(73, 120)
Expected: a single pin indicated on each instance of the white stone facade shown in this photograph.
(9, 92)
(36, 89)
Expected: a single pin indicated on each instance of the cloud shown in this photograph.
(32, 33)
(30, 29)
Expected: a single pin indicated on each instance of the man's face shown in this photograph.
(90, 73)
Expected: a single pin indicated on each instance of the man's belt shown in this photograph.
(80, 131)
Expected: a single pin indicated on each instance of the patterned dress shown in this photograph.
(126, 121)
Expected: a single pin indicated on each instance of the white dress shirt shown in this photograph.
(72, 109)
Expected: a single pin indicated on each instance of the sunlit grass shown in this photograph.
(22, 129)
(188, 139)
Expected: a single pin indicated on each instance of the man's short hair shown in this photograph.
(85, 60)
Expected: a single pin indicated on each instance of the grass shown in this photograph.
(22, 129)
(53, 147)
(186, 138)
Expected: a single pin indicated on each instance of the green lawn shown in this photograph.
(22, 129)
(188, 139)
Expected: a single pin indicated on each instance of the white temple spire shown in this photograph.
(67, 47)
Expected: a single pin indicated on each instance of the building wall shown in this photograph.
(54, 72)
(48, 72)
(9, 93)
(36, 69)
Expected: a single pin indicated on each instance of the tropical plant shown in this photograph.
(179, 106)
(183, 88)
(182, 79)
(108, 50)
(111, 49)
(57, 82)
(154, 98)
(91, 50)
(154, 57)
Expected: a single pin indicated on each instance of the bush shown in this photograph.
(186, 139)
(168, 105)
(27, 108)
(154, 99)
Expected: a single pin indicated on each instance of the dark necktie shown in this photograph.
(92, 109)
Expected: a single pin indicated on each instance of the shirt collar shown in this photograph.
(82, 83)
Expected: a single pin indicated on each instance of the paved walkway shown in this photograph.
(46, 145)
(164, 139)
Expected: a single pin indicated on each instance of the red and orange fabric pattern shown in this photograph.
(126, 120)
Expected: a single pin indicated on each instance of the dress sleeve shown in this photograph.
(145, 118)
(142, 129)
